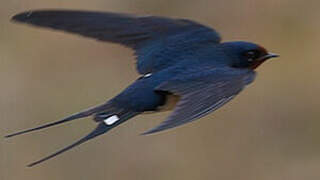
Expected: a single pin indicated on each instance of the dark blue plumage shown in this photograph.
(182, 64)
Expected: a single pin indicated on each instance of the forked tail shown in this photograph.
(106, 115)
(102, 128)
(82, 114)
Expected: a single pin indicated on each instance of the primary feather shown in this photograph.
(201, 93)
(149, 36)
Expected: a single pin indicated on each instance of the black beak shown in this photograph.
(268, 56)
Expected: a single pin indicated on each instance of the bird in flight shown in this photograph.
(184, 66)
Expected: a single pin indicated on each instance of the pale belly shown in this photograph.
(171, 102)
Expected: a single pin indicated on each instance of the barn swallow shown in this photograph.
(183, 65)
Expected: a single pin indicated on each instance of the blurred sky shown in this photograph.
(270, 131)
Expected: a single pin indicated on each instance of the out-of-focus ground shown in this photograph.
(271, 131)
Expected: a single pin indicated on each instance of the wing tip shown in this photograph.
(151, 131)
(145, 133)
(29, 15)
(22, 17)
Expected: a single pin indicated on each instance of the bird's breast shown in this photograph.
(170, 102)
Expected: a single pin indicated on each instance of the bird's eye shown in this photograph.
(252, 55)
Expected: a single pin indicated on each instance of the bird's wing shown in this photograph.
(147, 35)
(202, 93)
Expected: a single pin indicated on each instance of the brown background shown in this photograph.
(270, 132)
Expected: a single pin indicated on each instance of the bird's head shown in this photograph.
(245, 54)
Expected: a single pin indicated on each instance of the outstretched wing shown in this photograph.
(147, 35)
(202, 93)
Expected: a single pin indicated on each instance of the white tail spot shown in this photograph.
(147, 75)
(111, 120)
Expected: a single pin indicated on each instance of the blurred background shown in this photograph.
(271, 131)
